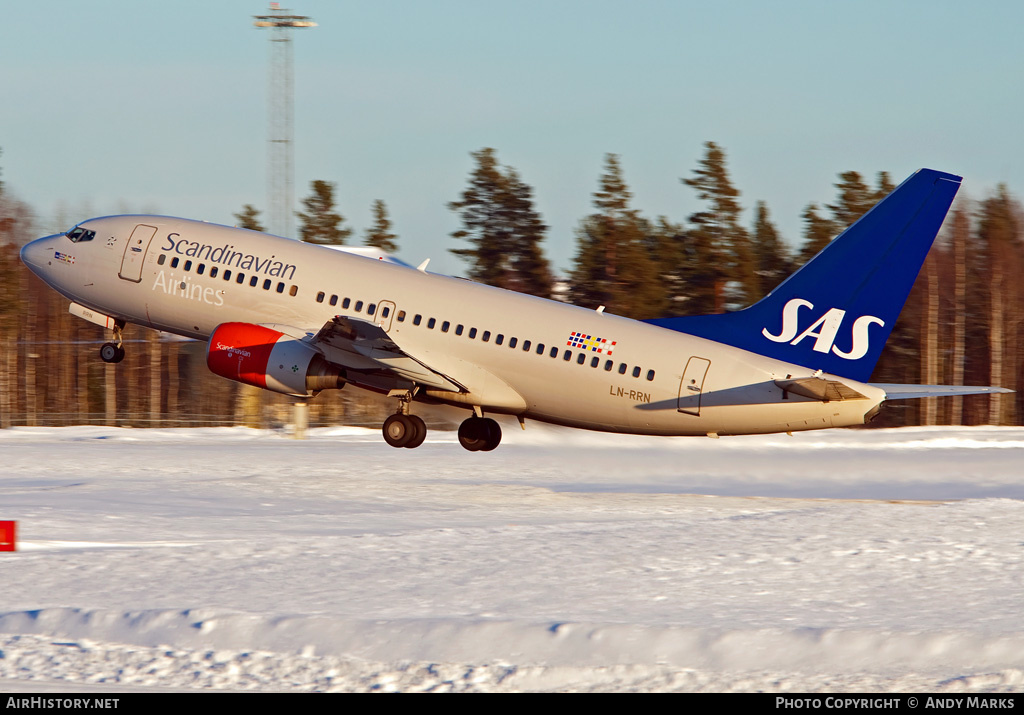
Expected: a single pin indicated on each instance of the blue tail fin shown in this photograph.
(836, 312)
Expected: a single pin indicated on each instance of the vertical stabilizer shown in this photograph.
(836, 312)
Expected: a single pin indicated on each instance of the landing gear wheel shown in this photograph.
(111, 353)
(493, 438)
(479, 434)
(399, 430)
(419, 432)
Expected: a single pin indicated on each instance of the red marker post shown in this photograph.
(7, 535)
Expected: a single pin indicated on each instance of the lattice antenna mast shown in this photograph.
(280, 112)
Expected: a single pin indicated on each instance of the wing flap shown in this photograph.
(820, 388)
(363, 346)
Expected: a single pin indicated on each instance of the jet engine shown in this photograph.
(267, 358)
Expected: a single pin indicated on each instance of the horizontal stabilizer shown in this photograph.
(818, 388)
(912, 392)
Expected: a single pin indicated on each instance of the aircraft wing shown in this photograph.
(910, 392)
(363, 346)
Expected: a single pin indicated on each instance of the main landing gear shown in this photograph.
(113, 352)
(477, 434)
(404, 431)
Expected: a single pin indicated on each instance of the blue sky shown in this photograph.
(114, 105)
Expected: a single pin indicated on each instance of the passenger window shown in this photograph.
(254, 281)
(486, 336)
(512, 342)
(213, 272)
(567, 356)
(636, 371)
(188, 266)
(200, 268)
(431, 323)
(345, 303)
(227, 275)
(267, 283)
(582, 358)
(174, 262)
(401, 316)
(554, 352)
(540, 348)
(417, 319)
(622, 368)
(293, 291)
(650, 374)
(526, 346)
(371, 309)
(595, 361)
(472, 333)
(162, 259)
(499, 339)
(608, 365)
(240, 279)
(280, 287)
(334, 300)
(385, 311)
(359, 306)
(320, 297)
(445, 325)
(458, 329)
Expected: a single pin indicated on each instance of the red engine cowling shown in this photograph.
(267, 358)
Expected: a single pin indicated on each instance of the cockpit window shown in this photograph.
(79, 234)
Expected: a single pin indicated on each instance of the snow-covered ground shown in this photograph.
(564, 560)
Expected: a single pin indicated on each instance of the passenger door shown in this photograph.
(135, 253)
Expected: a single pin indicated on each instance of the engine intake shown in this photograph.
(267, 358)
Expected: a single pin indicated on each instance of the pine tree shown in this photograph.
(505, 231)
(999, 238)
(248, 218)
(320, 223)
(530, 270)
(959, 236)
(718, 231)
(615, 265)
(771, 261)
(479, 211)
(855, 198)
(379, 234)
(885, 186)
(667, 243)
(818, 232)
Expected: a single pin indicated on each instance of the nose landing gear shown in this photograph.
(114, 352)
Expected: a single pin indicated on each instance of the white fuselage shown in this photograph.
(182, 277)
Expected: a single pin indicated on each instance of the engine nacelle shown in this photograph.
(268, 358)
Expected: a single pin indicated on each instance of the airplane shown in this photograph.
(298, 318)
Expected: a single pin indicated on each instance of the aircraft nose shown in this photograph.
(36, 254)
